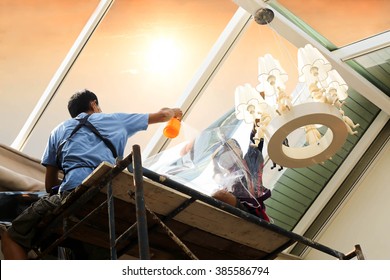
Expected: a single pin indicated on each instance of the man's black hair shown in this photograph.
(80, 102)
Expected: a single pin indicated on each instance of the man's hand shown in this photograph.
(165, 114)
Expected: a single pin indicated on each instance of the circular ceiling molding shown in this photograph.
(299, 116)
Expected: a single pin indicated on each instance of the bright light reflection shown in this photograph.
(162, 56)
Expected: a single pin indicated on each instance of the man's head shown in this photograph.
(83, 101)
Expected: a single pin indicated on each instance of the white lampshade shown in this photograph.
(312, 65)
(336, 82)
(248, 103)
(271, 74)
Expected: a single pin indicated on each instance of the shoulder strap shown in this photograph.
(105, 140)
(84, 122)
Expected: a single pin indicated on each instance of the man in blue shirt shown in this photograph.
(76, 147)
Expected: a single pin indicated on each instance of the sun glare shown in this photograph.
(162, 56)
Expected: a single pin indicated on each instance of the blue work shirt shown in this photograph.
(84, 151)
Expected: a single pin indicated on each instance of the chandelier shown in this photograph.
(315, 113)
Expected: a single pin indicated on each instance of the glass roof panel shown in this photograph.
(140, 58)
(35, 36)
(375, 66)
(342, 22)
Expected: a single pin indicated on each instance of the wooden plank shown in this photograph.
(163, 200)
(213, 220)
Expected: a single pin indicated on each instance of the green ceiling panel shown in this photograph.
(319, 169)
(336, 160)
(297, 208)
(308, 182)
(281, 216)
(298, 191)
(342, 153)
(330, 165)
(314, 176)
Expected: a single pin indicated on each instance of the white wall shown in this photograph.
(364, 219)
